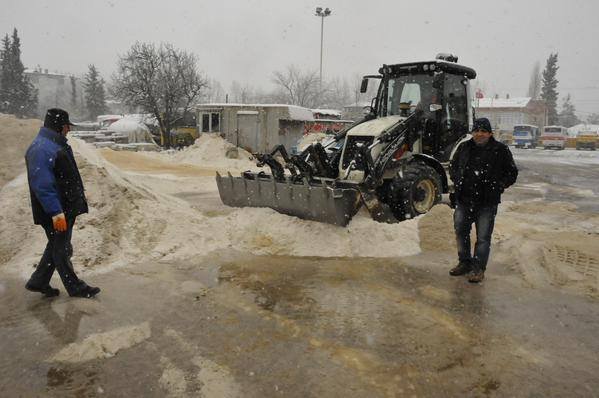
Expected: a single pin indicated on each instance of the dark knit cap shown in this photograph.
(482, 124)
(56, 118)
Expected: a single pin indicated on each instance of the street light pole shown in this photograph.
(322, 14)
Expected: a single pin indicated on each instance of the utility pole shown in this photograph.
(322, 14)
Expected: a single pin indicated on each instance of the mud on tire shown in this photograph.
(415, 193)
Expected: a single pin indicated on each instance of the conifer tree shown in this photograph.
(17, 94)
(95, 95)
(4, 74)
(73, 92)
(549, 90)
(534, 86)
(567, 117)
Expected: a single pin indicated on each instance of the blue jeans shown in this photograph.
(483, 217)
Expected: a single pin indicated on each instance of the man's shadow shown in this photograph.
(64, 329)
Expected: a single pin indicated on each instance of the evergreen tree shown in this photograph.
(73, 93)
(5, 81)
(95, 95)
(17, 94)
(567, 117)
(549, 90)
(534, 86)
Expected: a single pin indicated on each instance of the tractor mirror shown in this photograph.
(364, 85)
(435, 107)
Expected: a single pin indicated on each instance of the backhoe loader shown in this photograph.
(394, 161)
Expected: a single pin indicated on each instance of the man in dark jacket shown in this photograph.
(57, 198)
(481, 169)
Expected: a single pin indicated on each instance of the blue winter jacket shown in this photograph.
(55, 184)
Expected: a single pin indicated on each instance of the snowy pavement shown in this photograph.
(558, 176)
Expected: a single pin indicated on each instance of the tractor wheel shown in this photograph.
(416, 192)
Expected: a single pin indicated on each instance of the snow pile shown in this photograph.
(210, 150)
(266, 232)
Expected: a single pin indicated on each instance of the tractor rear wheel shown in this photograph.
(415, 192)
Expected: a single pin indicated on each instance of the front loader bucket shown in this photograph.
(310, 202)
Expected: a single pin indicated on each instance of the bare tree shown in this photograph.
(161, 80)
(534, 86)
(297, 87)
(214, 92)
(337, 93)
(242, 94)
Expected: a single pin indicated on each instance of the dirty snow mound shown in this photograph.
(436, 229)
(210, 151)
(16, 135)
(264, 231)
(103, 345)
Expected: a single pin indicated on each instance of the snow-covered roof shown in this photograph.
(295, 112)
(299, 113)
(357, 105)
(101, 118)
(583, 127)
(516, 102)
(331, 112)
(126, 125)
(146, 118)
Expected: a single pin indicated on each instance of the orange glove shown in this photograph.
(59, 222)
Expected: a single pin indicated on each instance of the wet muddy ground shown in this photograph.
(233, 324)
(249, 326)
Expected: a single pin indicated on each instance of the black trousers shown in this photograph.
(57, 256)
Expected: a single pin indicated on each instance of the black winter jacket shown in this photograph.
(55, 184)
(499, 165)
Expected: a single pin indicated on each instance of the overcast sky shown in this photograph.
(245, 40)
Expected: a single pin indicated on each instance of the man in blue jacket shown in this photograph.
(57, 198)
(481, 169)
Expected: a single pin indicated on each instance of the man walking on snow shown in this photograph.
(57, 198)
(481, 169)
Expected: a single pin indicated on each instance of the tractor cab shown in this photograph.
(439, 88)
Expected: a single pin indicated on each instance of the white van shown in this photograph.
(554, 137)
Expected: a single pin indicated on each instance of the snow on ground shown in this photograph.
(140, 213)
(137, 216)
(566, 156)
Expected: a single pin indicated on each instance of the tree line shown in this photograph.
(165, 81)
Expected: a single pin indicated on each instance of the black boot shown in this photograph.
(47, 290)
(460, 269)
(476, 275)
(85, 291)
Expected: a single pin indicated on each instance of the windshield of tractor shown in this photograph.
(405, 93)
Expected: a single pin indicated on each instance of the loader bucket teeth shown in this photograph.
(311, 202)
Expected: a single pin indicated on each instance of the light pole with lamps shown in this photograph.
(322, 14)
